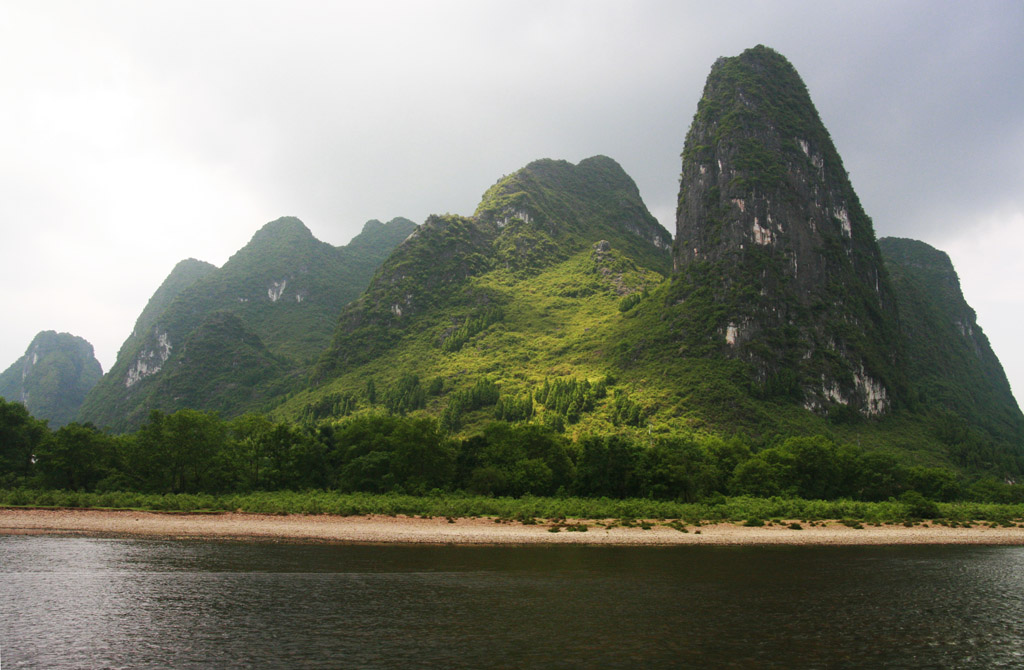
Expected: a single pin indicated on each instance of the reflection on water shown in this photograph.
(93, 603)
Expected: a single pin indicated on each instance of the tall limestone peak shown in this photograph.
(772, 241)
(53, 376)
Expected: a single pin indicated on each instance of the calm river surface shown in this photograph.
(104, 603)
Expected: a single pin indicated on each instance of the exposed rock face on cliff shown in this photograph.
(53, 376)
(951, 364)
(777, 263)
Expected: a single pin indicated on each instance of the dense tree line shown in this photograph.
(571, 397)
(484, 393)
(191, 451)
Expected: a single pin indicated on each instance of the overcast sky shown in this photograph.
(136, 134)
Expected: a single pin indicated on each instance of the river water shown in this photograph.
(113, 603)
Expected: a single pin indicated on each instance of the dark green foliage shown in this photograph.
(919, 507)
(53, 377)
(935, 483)
(258, 453)
(20, 438)
(955, 373)
(676, 469)
(178, 453)
(515, 460)
(377, 452)
(191, 452)
(608, 466)
(625, 412)
(631, 301)
(405, 395)
(515, 409)
(334, 405)
(483, 393)
(76, 458)
(570, 397)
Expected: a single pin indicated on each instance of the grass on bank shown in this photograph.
(737, 510)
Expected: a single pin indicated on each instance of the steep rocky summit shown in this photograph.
(777, 262)
(53, 377)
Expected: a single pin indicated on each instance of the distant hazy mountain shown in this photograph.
(53, 377)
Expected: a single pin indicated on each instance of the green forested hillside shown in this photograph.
(236, 337)
(522, 292)
(184, 274)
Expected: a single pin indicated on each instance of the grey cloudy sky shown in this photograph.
(136, 134)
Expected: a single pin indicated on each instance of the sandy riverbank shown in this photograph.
(405, 530)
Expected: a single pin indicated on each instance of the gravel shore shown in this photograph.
(408, 530)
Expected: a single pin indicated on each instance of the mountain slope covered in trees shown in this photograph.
(235, 338)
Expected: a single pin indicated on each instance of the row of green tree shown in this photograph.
(565, 399)
(192, 451)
